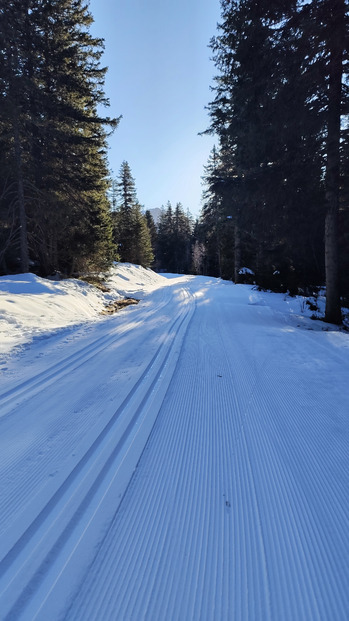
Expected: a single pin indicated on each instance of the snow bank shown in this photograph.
(31, 306)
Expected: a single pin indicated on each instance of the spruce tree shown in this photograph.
(271, 112)
(215, 226)
(124, 216)
(174, 240)
(143, 252)
(165, 239)
(131, 232)
(15, 86)
(336, 41)
(152, 230)
(54, 139)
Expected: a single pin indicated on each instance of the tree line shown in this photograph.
(54, 210)
(276, 184)
(166, 245)
(60, 211)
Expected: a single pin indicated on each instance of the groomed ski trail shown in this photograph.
(237, 507)
(235, 510)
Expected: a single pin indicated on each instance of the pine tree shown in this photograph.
(211, 214)
(181, 241)
(55, 141)
(336, 41)
(152, 230)
(270, 112)
(15, 83)
(124, 216)
(174, 240)
(131, 231)
(165, 235)
(143, 254)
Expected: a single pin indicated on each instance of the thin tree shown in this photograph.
(336, 29)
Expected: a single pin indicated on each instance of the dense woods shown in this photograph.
(276, 186)
(131, 233)
(54, 211)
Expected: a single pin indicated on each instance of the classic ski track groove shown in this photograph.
(24, 551)
(60, 369)
(265, 538)
(11, 502)
(234, 512)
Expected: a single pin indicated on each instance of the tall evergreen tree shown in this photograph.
(54, 139)
(182, 240)
(165, 235)
(131, 231)
(124, 220)
(220, 218)
(271, 113)
(152, 230)
(336, 42)
(143, 253)
(174, 240)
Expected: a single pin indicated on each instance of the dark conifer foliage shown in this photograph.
(336, 40)
(131, 233)
(220, 214)
(174, 239)
(272, 110)
(54, 212)
(152, 230)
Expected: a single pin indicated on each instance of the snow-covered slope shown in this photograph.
(182, 460)
(31, 306)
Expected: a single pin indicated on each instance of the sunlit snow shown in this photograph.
(184, 459)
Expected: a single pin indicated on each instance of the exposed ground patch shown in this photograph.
(117, 305)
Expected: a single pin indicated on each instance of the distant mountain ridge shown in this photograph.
(156, 213)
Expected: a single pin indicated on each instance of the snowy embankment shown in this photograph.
(182, 460)
(31, 307)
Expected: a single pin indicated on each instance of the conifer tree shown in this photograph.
(214, 222)
(165, 239)
(337, 42)
(131, 231)
(143, 253)
(124, 216)
(271, 112)
(182, 241)
(152, 230)
(174, 240)
(53, 137)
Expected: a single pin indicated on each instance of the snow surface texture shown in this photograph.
(184, 459)
(31, 306)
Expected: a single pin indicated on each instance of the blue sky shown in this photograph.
(159, 77)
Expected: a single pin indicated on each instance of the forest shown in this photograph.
(275, 208)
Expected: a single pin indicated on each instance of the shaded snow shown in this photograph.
(182, 460)
(31, 307)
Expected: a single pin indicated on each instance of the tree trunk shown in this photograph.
(23, 236)
(219, 256)
(336, 45)
(237, 253)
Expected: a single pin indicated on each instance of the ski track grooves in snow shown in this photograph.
(31, 386)
(73, 504)
(23, 484)
(219, 521)
(213, 489)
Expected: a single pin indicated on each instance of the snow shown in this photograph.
(31, 306)
(183, 459)
(246, 270)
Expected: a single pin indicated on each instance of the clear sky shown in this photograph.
(158, 79)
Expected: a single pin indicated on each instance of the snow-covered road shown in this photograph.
(183, 460)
